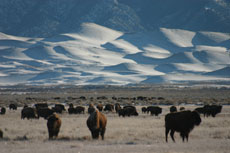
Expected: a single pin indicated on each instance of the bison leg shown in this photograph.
(172, 135)
(102, 133)
(166, 134)
(186, 135)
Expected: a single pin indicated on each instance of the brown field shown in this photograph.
(141, 134)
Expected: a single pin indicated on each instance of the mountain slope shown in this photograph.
(49, 18)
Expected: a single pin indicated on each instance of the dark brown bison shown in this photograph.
(117, 107)
(144, 110)
(100, 107)
(128, 111)
(79, 110)
(208, 110)
(154, 110)
(3, 111)
(29, 113)
(173, 109)
(182, 122)
(13, 106)
(44, 112)
(109, 107)
(53, 125)
(96, 123)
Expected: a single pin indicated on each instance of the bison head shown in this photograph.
(196, 118)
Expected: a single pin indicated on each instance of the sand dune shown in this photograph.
(99, 55)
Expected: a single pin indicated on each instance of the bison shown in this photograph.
(96, 123)
(109, 107)
(117, 107)
(208, 110)
(53, 125)
(173, 109)
(144, 110)
(13, 106)
(79, 110)
(28, 113)
(182, 122)
(44, 112)
(128, 111)
(154, 110)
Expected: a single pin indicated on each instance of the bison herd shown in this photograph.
(182, 121)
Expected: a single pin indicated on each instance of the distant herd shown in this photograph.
(182, 121)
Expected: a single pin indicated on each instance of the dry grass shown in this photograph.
(135, 134)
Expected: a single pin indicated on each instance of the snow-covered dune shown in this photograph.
(100, 55)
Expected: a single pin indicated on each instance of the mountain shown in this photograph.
(117, 42)
(34, 18)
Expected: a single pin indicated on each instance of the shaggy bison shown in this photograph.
(154, 110)
(182, 122)
(96, 123)
(28, 113)
(53, 125)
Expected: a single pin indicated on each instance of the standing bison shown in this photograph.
(28, 113)
(182, 122)
(154, 110)
(3, 111)
(53, 125)
(208, 110)
(96, 123)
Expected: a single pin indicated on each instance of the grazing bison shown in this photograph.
(3, 111)
(154, 110)
(79, 110)
(208, 110)
(128, 111)
(100, 107)
(44, 112)
(53, 125)
(144, 110)
(182, 122)
(13, 106)
(173, 109)
(109, 107)
(28, 113)
(96, 123)
(117, 107)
